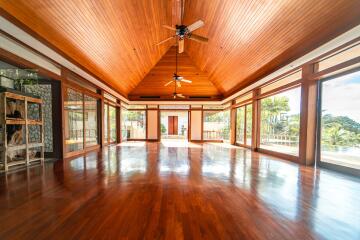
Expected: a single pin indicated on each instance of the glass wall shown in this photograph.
(280, 122)
(248, 124)
(124, 134)
(244, 125)
(133, 124)
(240, 125)
(110, 135)
(340, 121)
(74, 124)
(106, 123)
(81, 120)
(91, 123)
(112, 124)
(216, 125)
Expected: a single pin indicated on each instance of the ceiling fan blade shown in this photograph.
(168, 27)
(181, 45)
(180, 95)
(167, 84)
(165, 40)
(198, 38)
(185, 80)
(195, 25)
(178, 84)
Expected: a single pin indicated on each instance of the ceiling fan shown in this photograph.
(177, 79)
(182, 31)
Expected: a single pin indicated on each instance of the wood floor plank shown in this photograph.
(165, 191)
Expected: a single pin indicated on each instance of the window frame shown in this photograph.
(83, 92)
(318, 162)
(245, 106)
(284, 88)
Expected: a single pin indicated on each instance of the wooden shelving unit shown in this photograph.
(29, 155)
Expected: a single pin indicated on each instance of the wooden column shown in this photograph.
(308, 115)
(118, 123)
(62, 115)
(255, 140)
(232, 124)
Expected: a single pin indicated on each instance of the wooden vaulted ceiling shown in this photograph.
(153, 83)
(115, 40)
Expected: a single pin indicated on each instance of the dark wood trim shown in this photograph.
(159, 124)
(308, 110)
(202, 124)
(146, 124)
(284, 156)
(63, 145)
(72, 155)
(118, 124)
(241, 145)
(136, 139)
(256, 121)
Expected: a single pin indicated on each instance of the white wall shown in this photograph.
(152, 127)
(182, 119)
(196, 122)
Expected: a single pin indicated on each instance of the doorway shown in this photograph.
(174, 125)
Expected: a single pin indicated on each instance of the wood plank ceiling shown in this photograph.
(153, 83)
(250, 39)
(115, 40)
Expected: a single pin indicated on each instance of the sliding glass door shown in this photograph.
(280, 122)
(216, 125)
(244, 125)
(80, 121)
(340, 121)
(110, 128)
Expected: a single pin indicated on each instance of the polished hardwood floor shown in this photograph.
(170, 190)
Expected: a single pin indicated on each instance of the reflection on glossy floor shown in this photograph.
(153, 191)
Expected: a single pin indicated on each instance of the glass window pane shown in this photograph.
(292, 77)
(216, 125)
(244, 97)
(340, 121)
(248, 124)
(124, 135)
(280, 122)
(134, 124)
(73, 115)
(90, 118)
(349, 53)
(106, 122)
(240, 124)
(112, 122)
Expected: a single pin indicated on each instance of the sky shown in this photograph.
(341, 96)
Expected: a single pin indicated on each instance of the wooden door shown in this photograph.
(175, 124)
(172, 125)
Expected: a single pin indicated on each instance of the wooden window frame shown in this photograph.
(331, 166)
(83, 92)
(245, 125)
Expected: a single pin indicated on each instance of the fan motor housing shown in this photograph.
(181, 30)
